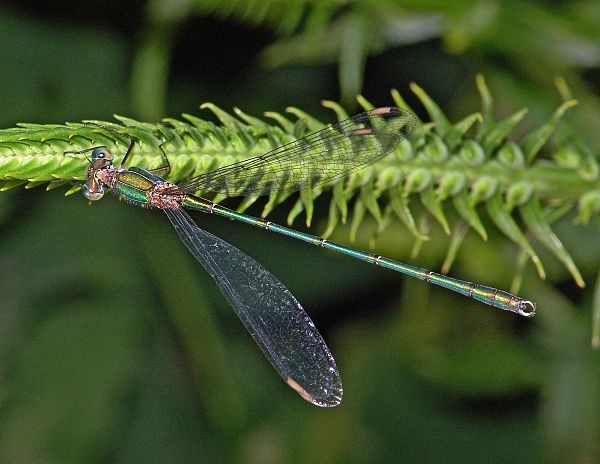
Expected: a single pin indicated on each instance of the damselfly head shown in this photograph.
(101, 157)
(100, 161)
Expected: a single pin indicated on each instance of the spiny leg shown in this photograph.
(122, 134)
(165, 169)
(79, 152)
(161, 171)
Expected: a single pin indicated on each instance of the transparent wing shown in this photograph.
(272, 315)
(320, 157)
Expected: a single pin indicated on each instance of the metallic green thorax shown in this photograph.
(133, 185)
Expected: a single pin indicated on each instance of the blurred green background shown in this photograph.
(115, 346)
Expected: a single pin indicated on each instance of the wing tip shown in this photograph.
(384, 110)
(334, 399)
(393, 112)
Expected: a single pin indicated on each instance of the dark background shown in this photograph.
(117, 347)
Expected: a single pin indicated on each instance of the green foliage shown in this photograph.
(115, 346)
(560, 36)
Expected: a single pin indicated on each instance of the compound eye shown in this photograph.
(102, 153)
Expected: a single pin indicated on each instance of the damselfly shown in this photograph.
(274, 318)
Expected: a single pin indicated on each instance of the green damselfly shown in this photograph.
(272, 315)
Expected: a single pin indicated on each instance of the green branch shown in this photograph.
(442, 164)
